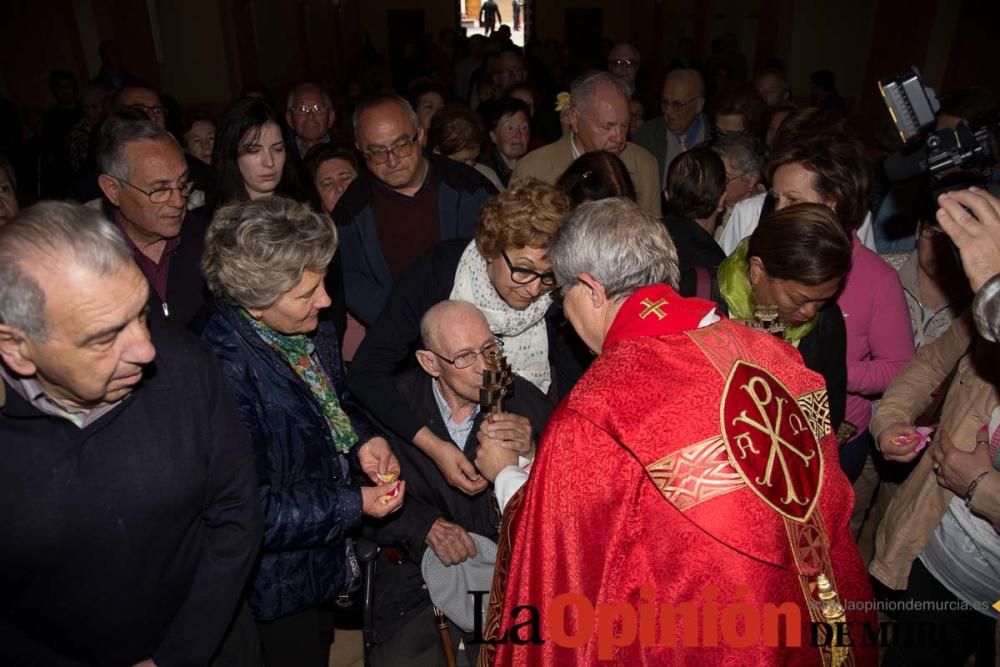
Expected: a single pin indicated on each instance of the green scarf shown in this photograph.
(734, 284)
(299, 353)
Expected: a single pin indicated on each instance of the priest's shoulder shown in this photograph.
(633, 369)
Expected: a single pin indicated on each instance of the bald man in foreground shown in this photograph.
(445, 392)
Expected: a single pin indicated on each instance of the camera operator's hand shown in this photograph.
(978, 240)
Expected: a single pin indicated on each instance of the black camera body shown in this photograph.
(914, 109)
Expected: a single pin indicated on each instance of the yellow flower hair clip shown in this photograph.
(562, 101)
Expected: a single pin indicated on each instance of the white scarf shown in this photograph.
(525, 337)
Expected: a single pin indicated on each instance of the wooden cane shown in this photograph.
(442, 626)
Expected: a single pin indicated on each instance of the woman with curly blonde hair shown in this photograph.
(506, 273)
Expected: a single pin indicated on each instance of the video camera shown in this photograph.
(914, 107)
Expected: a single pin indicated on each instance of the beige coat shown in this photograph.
(920, 503)
(549, 162)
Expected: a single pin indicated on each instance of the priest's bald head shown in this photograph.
(606, 251)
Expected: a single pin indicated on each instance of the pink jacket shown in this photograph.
(879, 339)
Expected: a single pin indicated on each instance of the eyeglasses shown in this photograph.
(307, 109)
(404, 148)
(523, 276)
(466, 359)
(162, 195)
(623, 62)
(675, 105)
(730, 179)
(156, 111)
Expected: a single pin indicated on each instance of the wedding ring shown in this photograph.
(936, 468)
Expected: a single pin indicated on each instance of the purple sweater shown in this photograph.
(879, 338)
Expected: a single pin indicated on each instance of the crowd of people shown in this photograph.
(746, 369)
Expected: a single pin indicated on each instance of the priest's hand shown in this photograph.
(893, 444)
(450, 542)
(378, 461)
(512, 432)
(492, 457)
(450, 460)
(956, 469)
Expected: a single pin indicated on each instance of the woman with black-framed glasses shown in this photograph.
(505, 272)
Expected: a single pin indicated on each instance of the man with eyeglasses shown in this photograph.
(436, 515)
(309, 112)
(146, 183)
(682, 125)
(402, 206)
(148, 103)
(624, 62)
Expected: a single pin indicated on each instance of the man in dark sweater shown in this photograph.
(436, 515)
(407, 204)
(129, 518)
(146, 183)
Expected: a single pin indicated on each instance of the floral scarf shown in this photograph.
(300, 353)
(734, 284)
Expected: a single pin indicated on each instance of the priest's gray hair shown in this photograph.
(49, 234)
(617, 243)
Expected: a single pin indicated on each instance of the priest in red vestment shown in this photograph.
(686, 506)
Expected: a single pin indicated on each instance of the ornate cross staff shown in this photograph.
(498, 382)
(765, 318)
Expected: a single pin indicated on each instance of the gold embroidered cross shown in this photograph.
(653, 309)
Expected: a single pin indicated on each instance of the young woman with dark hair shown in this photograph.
(251, 158)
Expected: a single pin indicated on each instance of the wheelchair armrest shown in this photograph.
(365, 550)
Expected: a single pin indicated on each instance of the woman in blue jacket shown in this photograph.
(265, 262)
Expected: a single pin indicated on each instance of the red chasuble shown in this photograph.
(685, 500)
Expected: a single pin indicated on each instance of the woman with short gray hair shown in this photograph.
(265, 261)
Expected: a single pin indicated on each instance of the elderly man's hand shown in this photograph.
(956, 469)
(450, 542)
(378, 461)
(456, 469)
(511, 431)
(894, 446)
(978, 240)
(492, 456)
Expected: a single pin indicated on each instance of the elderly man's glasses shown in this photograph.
(162, 195)
(404, 148)
(677, 105)
(466, 359)
(309, 108)
(523, 276)
(623, 62)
